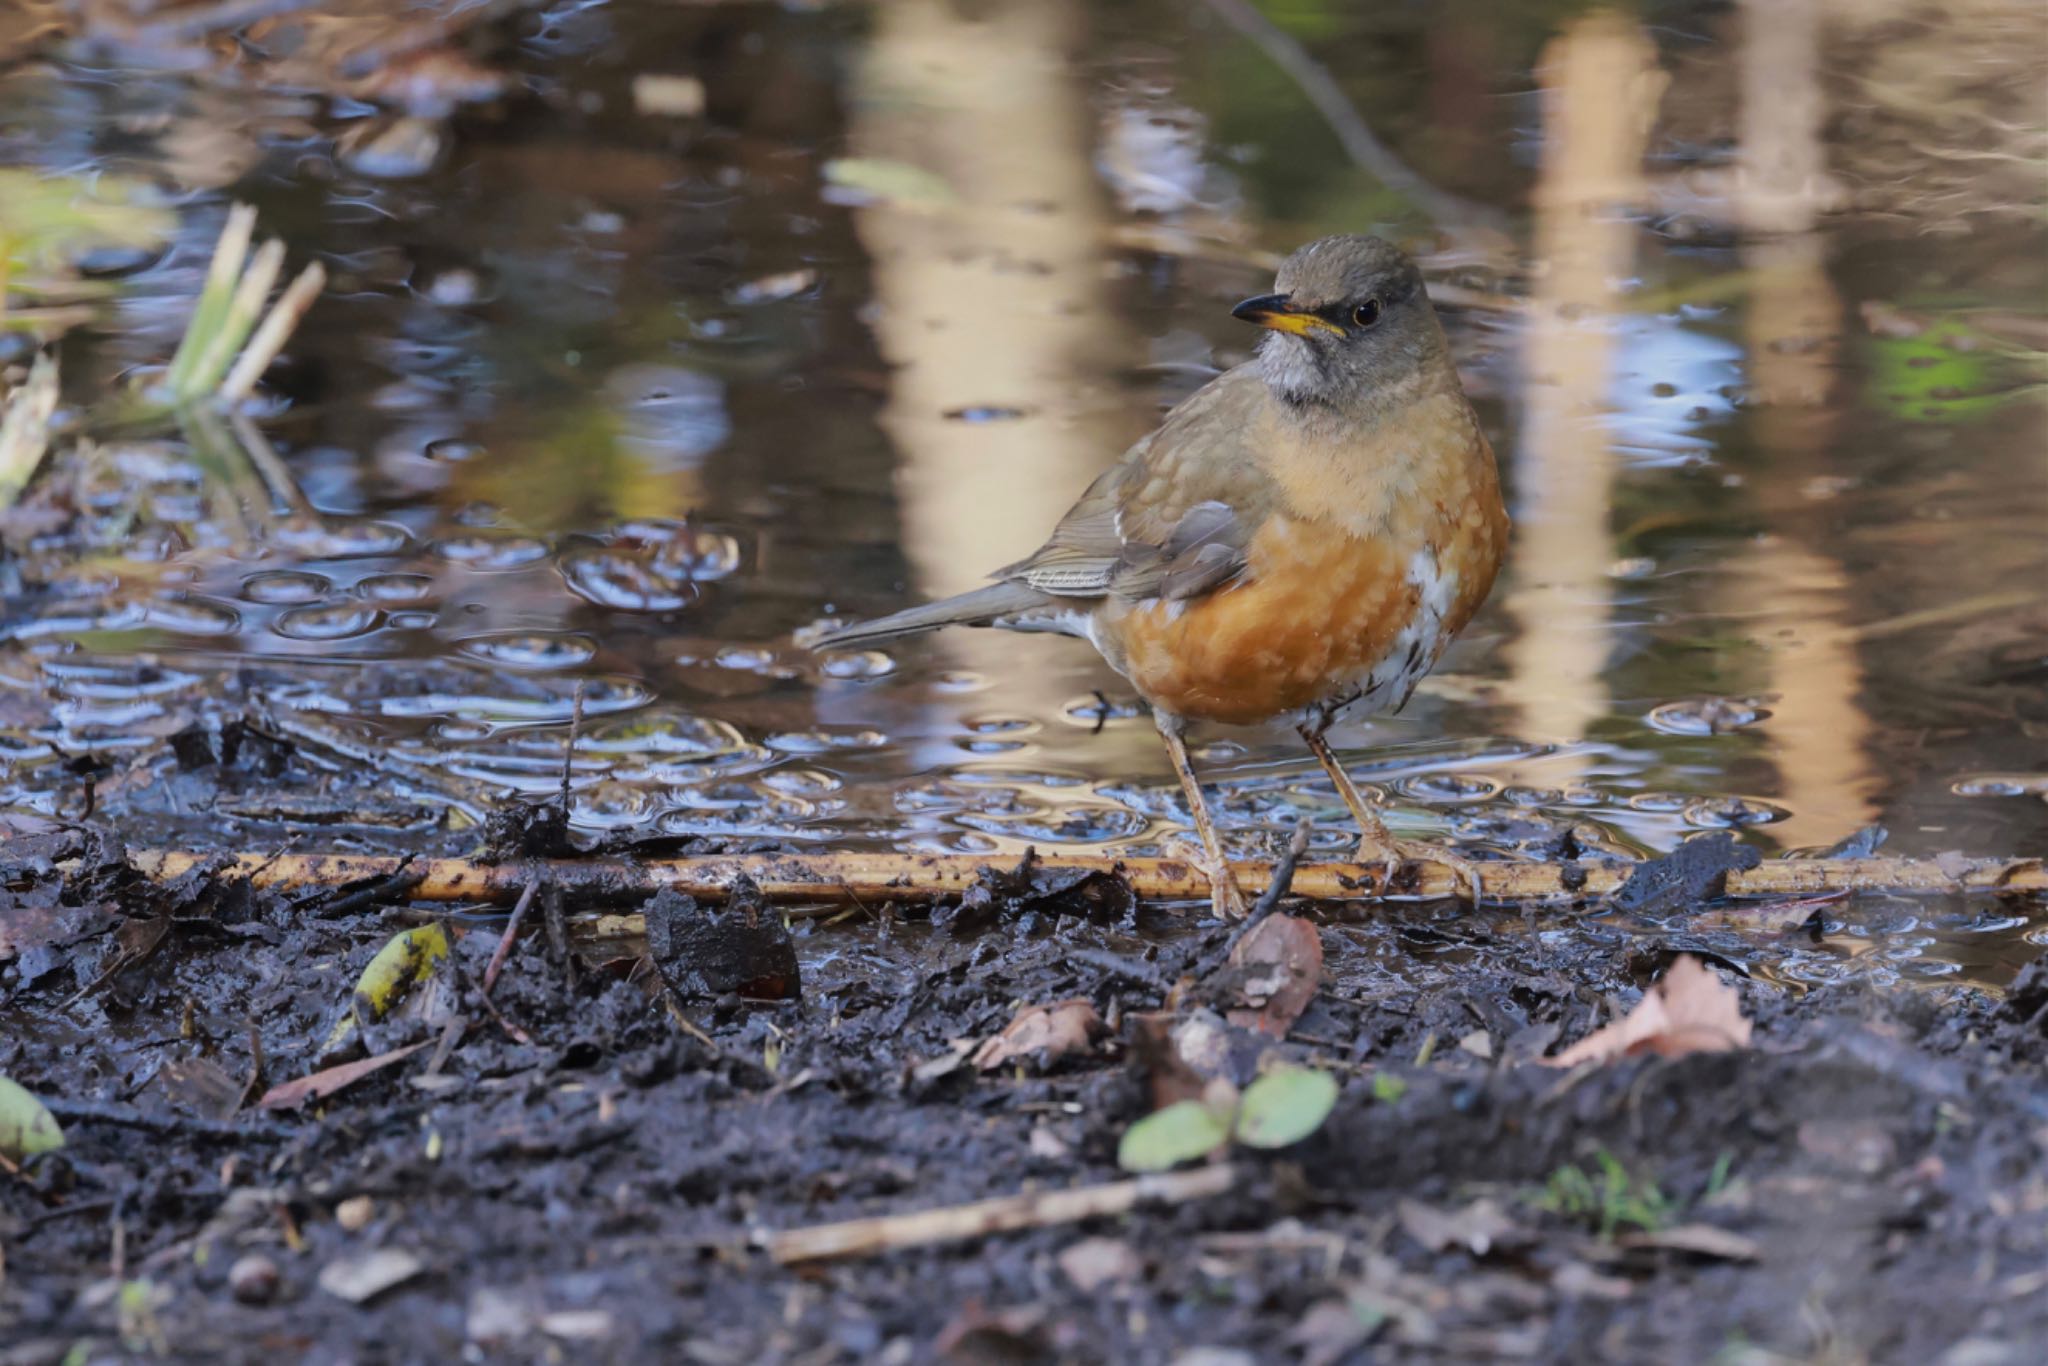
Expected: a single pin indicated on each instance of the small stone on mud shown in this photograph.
(253, 1279)
(354, 1214)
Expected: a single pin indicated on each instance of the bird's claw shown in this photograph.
(1377, 846)
(1225, 896)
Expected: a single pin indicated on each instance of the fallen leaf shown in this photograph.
(872, 180)
(1689, 1010)
(1044, 1034)
(1166, 1138)
(1702, 1240)
(361, 1279)
(1478, 1228)
(1094, 1263)
(26, 1125)
(406, 959)
(326, 1082)
(1285, 1106)
(1277, 968)
(1331, 1331)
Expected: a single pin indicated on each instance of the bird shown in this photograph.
(1299, 538)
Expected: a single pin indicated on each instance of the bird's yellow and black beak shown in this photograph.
(1280, 313)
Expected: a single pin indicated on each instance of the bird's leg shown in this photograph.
(1375, 843)
(1223, 889)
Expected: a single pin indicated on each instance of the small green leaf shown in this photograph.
(1166, 1138)
(1387, 1088)
(26, 1127)
(1285, 1106)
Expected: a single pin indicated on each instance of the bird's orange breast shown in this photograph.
(1320, 614)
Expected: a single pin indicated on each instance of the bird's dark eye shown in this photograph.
(1366, 314)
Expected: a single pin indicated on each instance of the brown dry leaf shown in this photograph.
(1278, 967)
(1046, 1033)
(1689, 1010)
(325, 1083)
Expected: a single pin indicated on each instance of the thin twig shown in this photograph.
(1269, 900)
(511, 933)
(1360, 144)
(1005, 1214)
(569, 749)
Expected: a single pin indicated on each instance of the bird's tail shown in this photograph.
(978, 608)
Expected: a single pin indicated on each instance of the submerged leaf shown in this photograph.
(26, 1125)
(25, 429)
(877, 180)
(1285, 1106)
(1183, 1131)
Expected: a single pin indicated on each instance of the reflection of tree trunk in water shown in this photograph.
(1819, 732)
(1600, 92)
(995, 300)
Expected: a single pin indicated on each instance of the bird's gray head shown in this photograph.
(1352, 328)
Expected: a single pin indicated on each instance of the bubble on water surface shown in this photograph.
(342, 621)
(1707, 715)
(823, 741)
(452, 450)
(282, 587)
(671, 736)
(621, 581)
(803, 782)
(855, 664)
(310, 539)
(1447, 787)
(390, 589)
(2001, 785)
(192, 616)
(530, 650)
(1732, 813)
(491, 552)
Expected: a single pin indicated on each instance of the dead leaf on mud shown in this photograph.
(1093, 1263)
(1478, 1228)
(1045, 1034)
(1688, 1010)
(322, 1084)
(1276, 969)
(360, 1279)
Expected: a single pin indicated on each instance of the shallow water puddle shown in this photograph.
(623, 398)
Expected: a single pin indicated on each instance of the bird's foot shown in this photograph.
(1224, 894)
(1376, 845)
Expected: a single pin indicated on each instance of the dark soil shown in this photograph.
(1872, 1175)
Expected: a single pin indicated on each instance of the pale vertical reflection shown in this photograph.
(996, 299)
(1600, 91)
(1793, 325)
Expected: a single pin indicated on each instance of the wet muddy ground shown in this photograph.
(656, 336)
(589, 1164)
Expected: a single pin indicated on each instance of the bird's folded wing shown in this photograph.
(1172, 518)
